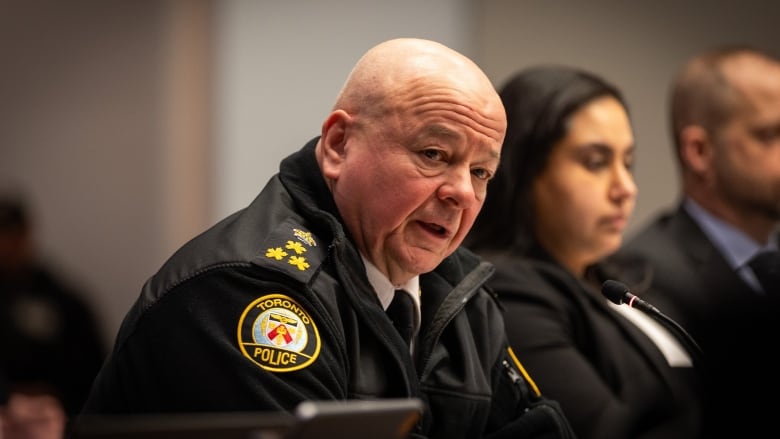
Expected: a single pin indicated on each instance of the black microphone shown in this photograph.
(619, 293)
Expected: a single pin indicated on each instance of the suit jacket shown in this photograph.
(610, 379)
(737, 329)
(691, 281)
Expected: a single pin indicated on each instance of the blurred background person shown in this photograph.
(555, 212)
(725, 119)
(50, 346)
(32, 416)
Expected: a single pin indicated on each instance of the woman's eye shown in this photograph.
(596, 162)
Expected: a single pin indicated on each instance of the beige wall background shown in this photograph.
(132, 126)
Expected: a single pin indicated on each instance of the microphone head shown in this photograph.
(614, 291)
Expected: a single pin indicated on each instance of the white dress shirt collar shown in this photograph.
(385, 290)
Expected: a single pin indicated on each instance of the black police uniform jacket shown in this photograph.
(272, 306)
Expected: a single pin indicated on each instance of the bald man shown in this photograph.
(285, 300)
(725, 117)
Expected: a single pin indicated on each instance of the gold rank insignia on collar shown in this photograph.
(292, 250)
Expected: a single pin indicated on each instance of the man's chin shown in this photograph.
(425, 261)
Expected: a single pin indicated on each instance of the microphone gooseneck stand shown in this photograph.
(619, 293)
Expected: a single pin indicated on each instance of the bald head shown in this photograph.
(400, 74)
(407, 152)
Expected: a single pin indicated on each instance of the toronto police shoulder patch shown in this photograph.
(277, 334)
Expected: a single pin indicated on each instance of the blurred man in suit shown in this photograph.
(725, 119)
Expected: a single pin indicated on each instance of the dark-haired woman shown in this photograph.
(554, 214)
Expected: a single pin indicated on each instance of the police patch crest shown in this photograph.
(277, 334)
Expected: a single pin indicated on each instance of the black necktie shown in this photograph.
(401, 312)
(766, 267)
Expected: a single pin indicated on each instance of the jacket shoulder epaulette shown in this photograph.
(293, 250)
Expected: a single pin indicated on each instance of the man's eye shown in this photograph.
(482, 174)
(433, 154)
(767, 135)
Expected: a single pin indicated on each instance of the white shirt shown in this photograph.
(669, 346)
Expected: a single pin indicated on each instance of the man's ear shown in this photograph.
(333, 143)
(696, 149)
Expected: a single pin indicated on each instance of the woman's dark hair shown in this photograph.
(539, 102)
